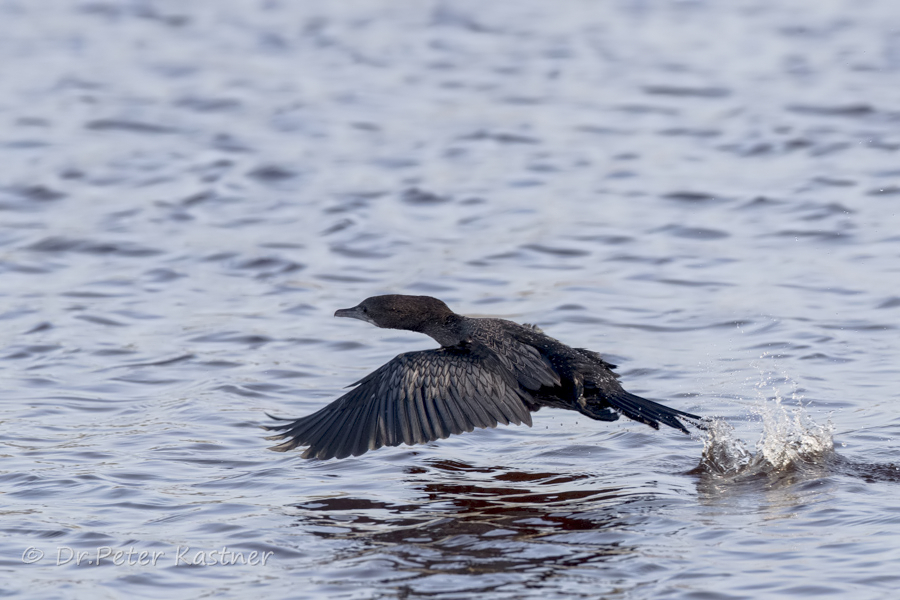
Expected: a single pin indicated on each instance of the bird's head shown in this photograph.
(394, 311)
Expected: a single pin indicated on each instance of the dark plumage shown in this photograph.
(487, 371)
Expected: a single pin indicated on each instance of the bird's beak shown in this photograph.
(354, 313)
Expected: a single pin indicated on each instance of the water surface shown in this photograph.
(705, 193)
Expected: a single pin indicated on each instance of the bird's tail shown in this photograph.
(652, 413)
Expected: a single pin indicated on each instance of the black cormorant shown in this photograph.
(487, 371)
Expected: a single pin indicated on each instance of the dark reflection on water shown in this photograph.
(475, 509)
(868, 472)
(520, 526)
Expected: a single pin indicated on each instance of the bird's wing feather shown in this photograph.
(531, 369)
(417, 397)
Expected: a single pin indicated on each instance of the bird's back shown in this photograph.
(570, 365)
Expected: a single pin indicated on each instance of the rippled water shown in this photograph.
(706, 193)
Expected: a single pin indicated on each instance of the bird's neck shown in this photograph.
(449, 330)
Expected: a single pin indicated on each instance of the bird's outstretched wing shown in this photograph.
(417, 397)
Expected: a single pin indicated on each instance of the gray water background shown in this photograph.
(705, 192)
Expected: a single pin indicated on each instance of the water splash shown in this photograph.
(790, 439)
(723, 452)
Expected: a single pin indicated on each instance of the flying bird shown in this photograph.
(486, 372)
